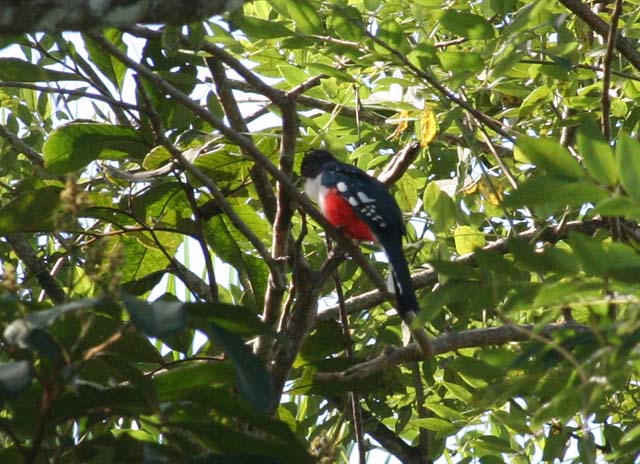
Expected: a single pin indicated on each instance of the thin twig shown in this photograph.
(606, 78)
(73, 92)
(356, 411)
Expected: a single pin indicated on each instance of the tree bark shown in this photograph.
(20, 17)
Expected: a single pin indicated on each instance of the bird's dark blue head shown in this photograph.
(314, 161)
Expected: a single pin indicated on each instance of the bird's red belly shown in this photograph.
(341, 214)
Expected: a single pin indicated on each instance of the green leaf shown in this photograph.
(261, 29)
(157, 319)
(468, 62)
(15, 377)
(14, 69)
(597, 154)
(235, 319)
(347, 23)
(254, 381)
(442, 427)
(550, 156)
(305, 16)
(33, 211)
(392, 35)
(110, 66)
(73, 146)
(606, 259)
(424, 55)
(628, 157)
(468, 239)
(622, 206)
(540, 190)
(467, 25)
(319, 68)
(440, 207)
(538, 97)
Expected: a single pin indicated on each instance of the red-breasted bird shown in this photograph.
(362, 207)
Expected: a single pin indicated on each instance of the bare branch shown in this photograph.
(35, 266)
(75, 92)
(395, 169)
(623, 45)
(75, 15)
(473, 338)
(606, 78)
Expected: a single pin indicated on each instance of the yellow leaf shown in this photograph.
(491, 190)
(402, 124)
(428, 126)
(471, 188)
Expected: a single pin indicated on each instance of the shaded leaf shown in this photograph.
(254, 381)
(14, 378)
(14, 69)
(32, 211)
(157, 319)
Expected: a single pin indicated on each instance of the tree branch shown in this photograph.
(77, 15)
(606, 78)
(623, 45)
(232, 111)
(429, 276)
(35, 266)
(396, 168)
(474, 338)
(22, 147)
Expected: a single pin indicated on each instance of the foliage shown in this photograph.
(149, 210)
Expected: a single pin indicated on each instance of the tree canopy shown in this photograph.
(169, 294)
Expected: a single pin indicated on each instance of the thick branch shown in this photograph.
(20, 17)
(400, 163)
(623, 45)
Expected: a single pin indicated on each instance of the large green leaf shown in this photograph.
(157, 319)
(606, 259)
(628, 157)
(467, 25)
(73, 146)
(110, 66)
(550, 156)
(540, 190)
(597, 155)
(33, 211)
(235, 319)
(254, 381)
(14, 69)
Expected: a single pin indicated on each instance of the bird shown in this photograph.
(364, 210)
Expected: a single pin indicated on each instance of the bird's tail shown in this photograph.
(402, 285)
(400, 279)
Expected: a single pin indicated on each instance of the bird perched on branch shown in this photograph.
(362, 207)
